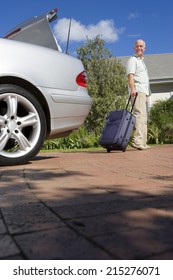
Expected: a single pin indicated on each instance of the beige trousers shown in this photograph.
(140, 112)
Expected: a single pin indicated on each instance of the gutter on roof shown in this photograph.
(161, 81)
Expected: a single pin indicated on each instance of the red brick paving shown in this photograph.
(89, 205)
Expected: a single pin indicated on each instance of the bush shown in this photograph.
(160, 129)
(80, 139)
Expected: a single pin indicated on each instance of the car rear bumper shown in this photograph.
(74, 104)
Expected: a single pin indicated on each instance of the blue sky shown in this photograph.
(120, 22)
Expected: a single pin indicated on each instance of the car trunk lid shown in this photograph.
(36, 31)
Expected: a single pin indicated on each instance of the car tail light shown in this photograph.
(81, 79)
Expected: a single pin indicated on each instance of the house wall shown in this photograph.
(160, 92)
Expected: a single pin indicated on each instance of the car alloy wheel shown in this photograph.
(22, 125)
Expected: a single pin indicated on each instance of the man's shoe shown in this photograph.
(139, 147)
(148, 147)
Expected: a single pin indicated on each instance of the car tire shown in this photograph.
(22, 125)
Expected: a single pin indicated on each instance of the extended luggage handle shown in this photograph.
(133, 102)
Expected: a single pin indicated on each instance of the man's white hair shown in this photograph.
(140, 40)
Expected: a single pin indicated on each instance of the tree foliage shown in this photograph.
(106, 82)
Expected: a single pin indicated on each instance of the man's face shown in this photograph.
(139, 48)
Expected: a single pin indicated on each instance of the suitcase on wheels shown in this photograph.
(118, 128)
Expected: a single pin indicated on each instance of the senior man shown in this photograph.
(138, 83)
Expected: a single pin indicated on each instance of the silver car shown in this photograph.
(43, 91)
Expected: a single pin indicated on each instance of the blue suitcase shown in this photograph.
(118, 128)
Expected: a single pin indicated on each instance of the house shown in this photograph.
(160, 68)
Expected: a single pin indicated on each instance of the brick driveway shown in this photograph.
(89, 205)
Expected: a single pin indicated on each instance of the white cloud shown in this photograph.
(133, 16)
(79, 32)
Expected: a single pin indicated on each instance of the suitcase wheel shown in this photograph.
(108, 150)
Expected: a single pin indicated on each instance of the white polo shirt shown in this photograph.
(137, 67)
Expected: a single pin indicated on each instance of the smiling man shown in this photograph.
(138, 83)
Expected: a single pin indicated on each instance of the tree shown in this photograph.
(107, 82)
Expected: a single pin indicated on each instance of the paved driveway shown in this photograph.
(89, 205)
